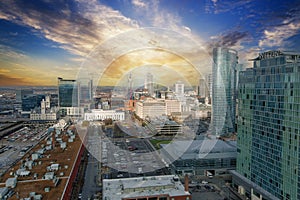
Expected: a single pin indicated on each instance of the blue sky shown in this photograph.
(42, 39)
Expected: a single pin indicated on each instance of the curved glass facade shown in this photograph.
(224, 90)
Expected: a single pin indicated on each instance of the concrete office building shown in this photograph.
(172, 105)
(224, 90)
(268, 128)
(157, 107)
(150, 108)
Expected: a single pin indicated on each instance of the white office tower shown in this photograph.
(202, 88)
(43, 107)
(129, 86)
(47, 102)
(179, 88)
(149, 84)
(208, 79)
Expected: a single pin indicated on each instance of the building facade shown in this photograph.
(268, 128)
(179, 88)
(85, 90)
(21, 93)
(150, 108)
(98, 114)
(51, 116)
(172, 105)
(68, 97)
(202, 89)
(224, 90)
(208, 80)
(45, 113)
(68, 94)
(31, 101)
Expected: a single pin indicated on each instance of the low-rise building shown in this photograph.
(201, 156)
(99, 114)
(164, 126)
(34, 116)
(3, 192)
(44, 113)
(153, 187)
(49, 176)
(11, 182)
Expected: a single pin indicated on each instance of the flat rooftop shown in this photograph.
(168, 185)
(197, 149)
(35, 181)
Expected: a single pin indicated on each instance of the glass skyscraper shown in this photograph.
(85, 90)
(268, 128)
(224, 90)
(31, 101)
(68, 95)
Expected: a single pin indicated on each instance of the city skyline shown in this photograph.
(41, 41)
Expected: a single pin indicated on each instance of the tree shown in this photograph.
(108, 121)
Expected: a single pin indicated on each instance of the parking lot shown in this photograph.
(131, 157)
(15, 145)
(216, 187)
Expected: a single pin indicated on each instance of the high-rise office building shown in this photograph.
(208, 80)
(48, 102)
(268, 128)
(31, 101)
(224, 90)
(21, 93)
(149, 84)
(68, 96)
(85, 90)
(129, 86)
(53, 100)
(239, 68)
(202, 89)
(179, 88)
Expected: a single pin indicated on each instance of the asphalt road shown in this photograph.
(90, 186)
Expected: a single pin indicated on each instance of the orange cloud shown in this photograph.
(168, 67)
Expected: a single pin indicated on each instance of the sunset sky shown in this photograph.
(41, 40)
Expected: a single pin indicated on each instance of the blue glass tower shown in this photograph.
(224, 90)
(268, 127)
